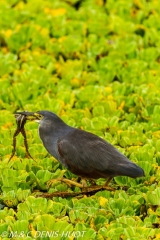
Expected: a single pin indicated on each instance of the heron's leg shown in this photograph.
(83, 186)
(84, 183)
(67, 181)
(108, 181)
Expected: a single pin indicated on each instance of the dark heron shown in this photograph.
(81, 152)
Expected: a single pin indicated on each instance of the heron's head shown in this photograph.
(39, 116)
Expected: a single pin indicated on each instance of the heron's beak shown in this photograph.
(32, 116)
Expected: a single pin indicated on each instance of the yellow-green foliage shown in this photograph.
(96, 64)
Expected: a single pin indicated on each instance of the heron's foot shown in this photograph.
(92, 182)
(67, 181)
(99, 187)
(83, 185)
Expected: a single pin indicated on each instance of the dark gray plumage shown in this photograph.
(81, 152)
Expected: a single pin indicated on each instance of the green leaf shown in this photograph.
(154, 197)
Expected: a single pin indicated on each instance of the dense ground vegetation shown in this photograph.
(96, 64)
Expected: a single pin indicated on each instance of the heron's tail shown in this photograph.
(131, 170)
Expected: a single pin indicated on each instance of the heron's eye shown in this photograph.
(38, 116)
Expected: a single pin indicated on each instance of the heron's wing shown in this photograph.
(85, 153)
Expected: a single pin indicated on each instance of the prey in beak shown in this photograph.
(21, 118)
(32, 116)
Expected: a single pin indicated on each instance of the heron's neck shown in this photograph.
(53, 129)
